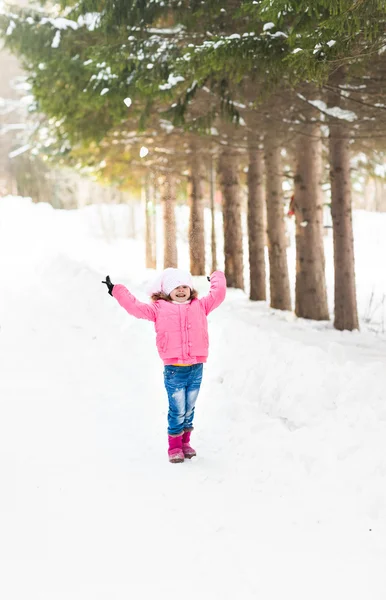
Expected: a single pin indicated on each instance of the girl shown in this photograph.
(182, 342)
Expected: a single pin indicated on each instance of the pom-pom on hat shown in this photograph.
(169, 280)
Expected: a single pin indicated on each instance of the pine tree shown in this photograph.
(310, 289)
(256, 214)
(277, 246)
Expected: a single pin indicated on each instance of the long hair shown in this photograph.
(167, 298)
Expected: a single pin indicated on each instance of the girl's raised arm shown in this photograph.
(217, 292)
(134, 307)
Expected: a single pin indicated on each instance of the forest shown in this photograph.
(182, 99)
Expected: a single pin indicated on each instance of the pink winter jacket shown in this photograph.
(182, 329)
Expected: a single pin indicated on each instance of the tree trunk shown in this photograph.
(233, 238)
(256, 221)
(151, 259)
(310, 289)
(196, 217)
(213, 244)
(277, 247)
(346, 313)
(169, 220)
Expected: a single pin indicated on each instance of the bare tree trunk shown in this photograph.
(196, 217)
(277, 247)
(233, 239)
(169, 219)
(310, 290)
(151, 260)
(346, 312)
(213, 245)
(133, 228)
(153, 219)
(256, 220)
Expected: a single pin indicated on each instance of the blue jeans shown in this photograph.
(182, 385)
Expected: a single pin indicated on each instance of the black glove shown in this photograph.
(109, 284)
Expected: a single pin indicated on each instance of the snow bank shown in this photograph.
(288, 492)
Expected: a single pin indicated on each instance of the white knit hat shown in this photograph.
(169, 280)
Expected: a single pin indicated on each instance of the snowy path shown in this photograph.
(287, 498)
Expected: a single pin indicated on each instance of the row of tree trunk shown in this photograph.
(266, 223)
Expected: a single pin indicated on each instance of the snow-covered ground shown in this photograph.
(287, 496)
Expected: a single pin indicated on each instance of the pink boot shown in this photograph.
(175, 452)
(187, 449)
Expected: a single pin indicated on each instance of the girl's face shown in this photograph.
(180, 293)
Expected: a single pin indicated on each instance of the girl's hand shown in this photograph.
(109, 284)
